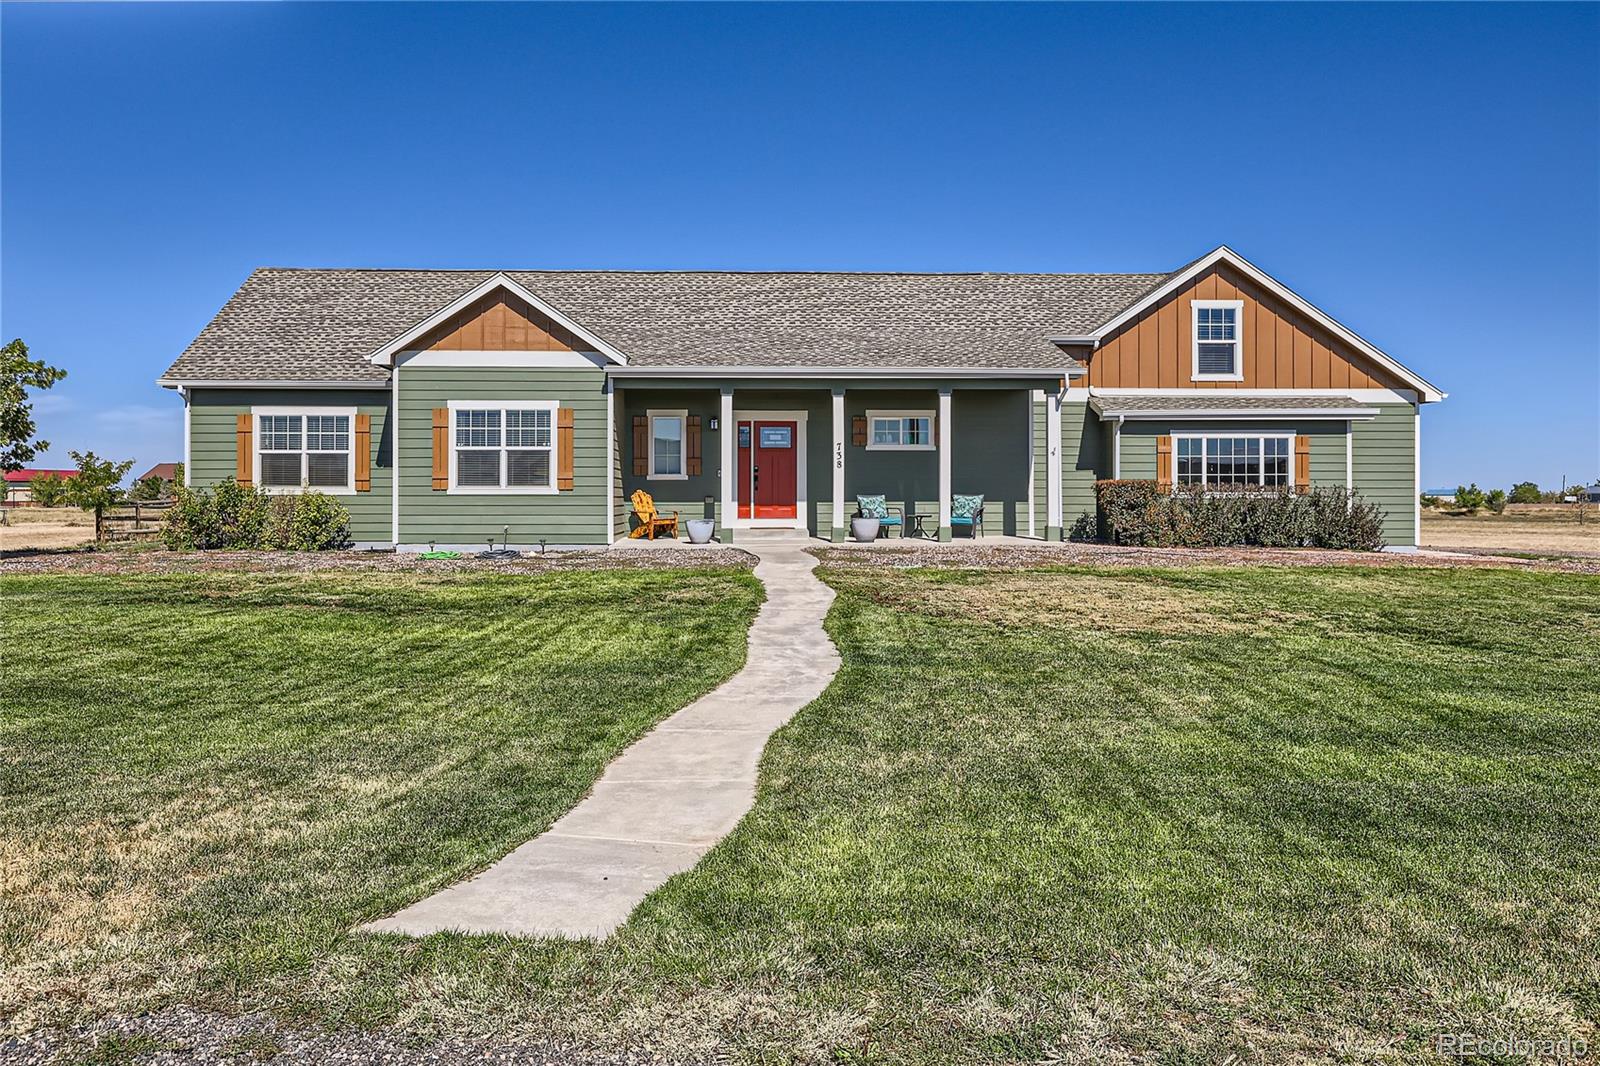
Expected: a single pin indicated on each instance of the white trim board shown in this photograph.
(537, 360)
(1405, 396)
(1430, 392)
(385, 354)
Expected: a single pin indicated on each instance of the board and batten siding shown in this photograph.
(577, 516)
(213, 445)
(1283, 349)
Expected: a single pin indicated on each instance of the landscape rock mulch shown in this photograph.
(1023, 556)
(184, 1035)
(152, 561)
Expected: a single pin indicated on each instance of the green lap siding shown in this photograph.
(1382, 458)
(577, 516)
(1385, 459)
(213, 415)
(1083, 461)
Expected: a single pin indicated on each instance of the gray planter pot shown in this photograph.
(700, 530)
(864, 529)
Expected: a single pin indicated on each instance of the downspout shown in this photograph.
(1116, 448)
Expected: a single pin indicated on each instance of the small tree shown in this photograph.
(1525, 492)
(1471, 497)
(48, 490)
(97, 484)
(1496, 500)
(18, 374)
(148, 488)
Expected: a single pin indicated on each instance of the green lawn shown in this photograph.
(1164, 815)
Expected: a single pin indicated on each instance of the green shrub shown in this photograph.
(236, 517)
(1497, 501)
(1143, 514)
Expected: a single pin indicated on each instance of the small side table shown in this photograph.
(918, 528)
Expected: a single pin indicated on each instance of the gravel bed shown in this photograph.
(152, 561)
(183, 1035)
(1020, 556)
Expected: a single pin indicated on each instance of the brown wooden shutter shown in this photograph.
(441, 448)
(1302, 463)
(858, 431)
(244, 459)
(641, 445)
(1164, 462)
(691, 446)
(563, 448)
(363, 453)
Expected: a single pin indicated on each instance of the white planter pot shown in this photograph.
(864, 529)
(700, 530)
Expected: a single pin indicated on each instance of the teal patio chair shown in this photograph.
(966, 512)
(878, 507)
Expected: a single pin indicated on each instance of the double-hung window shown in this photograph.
(309, 448)
(666, 444)
(1223, 462)
(1218, 340)
(502, 446)
(899, 430)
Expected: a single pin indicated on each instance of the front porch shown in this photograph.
(800, 452)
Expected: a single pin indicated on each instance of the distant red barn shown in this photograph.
(16, 482)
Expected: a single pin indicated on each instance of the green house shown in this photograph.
(446, 408)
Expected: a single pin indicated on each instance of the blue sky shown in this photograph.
(1430, 174)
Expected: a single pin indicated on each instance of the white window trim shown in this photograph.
(502, 489)
(1261, 474)
(1195, 307)
(256, 413)
(683, 456)
(874, 414)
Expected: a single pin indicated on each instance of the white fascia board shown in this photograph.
(1405, 396)
(253, 383)
(842, 372)
(384, 355)
(1430, 392)
(1329, 414)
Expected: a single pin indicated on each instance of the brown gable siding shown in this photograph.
(1283, 349)
(501, 322)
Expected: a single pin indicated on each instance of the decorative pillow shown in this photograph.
(965, 506)
(873, 506)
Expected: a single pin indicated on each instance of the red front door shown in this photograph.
(769, 462)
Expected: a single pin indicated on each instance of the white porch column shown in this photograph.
(727, 434)
(838, 465)
(944, 464)
(1052, 460)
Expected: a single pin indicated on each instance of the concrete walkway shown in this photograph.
(666, 800)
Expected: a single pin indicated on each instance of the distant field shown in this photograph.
(1525, 528)
(45, 527)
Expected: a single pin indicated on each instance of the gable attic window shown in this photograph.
(1218, 340)
(502, 446)
(305, 448)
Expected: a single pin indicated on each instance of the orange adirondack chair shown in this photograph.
(651, 521)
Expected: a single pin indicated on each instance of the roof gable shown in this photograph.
(1223, 256)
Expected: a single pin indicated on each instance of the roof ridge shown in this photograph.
(720, 272)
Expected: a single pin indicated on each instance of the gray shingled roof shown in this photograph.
(321, 325)
(1219, 400)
